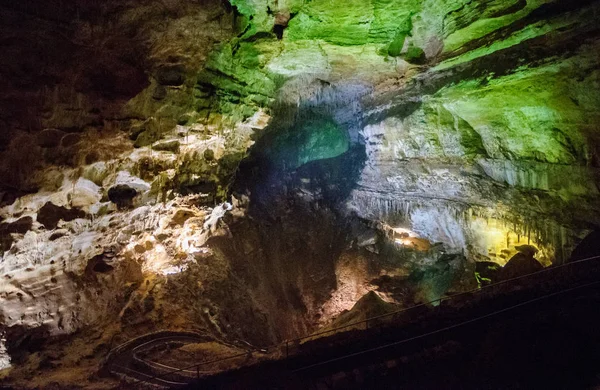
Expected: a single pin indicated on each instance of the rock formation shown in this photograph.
(248, 170)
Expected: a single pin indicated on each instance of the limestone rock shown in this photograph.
(527, 250)
(488, 143)
(97, 172)
(181, 215)
(85, 193)
(125, 178)
(167, 145)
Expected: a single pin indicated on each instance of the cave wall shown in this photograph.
(125, 125)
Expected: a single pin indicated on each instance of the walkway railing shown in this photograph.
(376, 320)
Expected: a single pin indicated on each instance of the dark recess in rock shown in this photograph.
(98, 264)
(209, 155)
(58, 234)
(22, 340)
(122, 195)
(20, 226)
(50, 214)
(170, 75)
(415, 55)
(205, 187)
(50, 138)
(160, 92)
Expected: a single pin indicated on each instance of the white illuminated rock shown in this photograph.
(85, 193)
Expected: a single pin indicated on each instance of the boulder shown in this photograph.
(136, 130)
(368, 306)
(528, 250)
(127, 179)
(488, 271)
(85, 193)
(146, 138)
(96, 172)
(519, 265)
(167, 146)
(50, 214)
(184, 119)
(181, 215)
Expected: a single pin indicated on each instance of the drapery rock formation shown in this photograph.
(250, 169)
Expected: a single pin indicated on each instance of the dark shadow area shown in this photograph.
(588, 247)
(539, 333)
(311, 160)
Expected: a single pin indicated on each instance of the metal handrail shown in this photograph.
(438, 301)
(453, 326)
(442, 299)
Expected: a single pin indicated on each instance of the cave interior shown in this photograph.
(217, 177)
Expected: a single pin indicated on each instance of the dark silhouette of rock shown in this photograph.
(122, 195)
(488, 271)
(50, 214)
(519, 265)
(528, 250)
(368, 306)
(588, 247)
(20, 226)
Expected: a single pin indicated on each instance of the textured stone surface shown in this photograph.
(375, 146)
